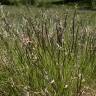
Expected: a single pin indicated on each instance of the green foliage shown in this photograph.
(4, 2)
(8, 2)
(87, 3)
(47, 52)
(31, 2)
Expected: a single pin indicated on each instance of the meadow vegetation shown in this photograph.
(47, 52)
(88, 3)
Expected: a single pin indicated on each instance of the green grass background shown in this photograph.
(59, 60)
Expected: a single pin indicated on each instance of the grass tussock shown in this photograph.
(47, 54)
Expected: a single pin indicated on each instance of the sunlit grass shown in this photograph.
(50, 52)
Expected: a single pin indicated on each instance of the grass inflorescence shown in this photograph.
(48, 53)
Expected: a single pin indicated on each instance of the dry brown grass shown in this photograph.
(87, 91)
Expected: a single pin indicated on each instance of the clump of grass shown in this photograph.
(46, 55)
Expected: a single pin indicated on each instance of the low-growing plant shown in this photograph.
(46, 54)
